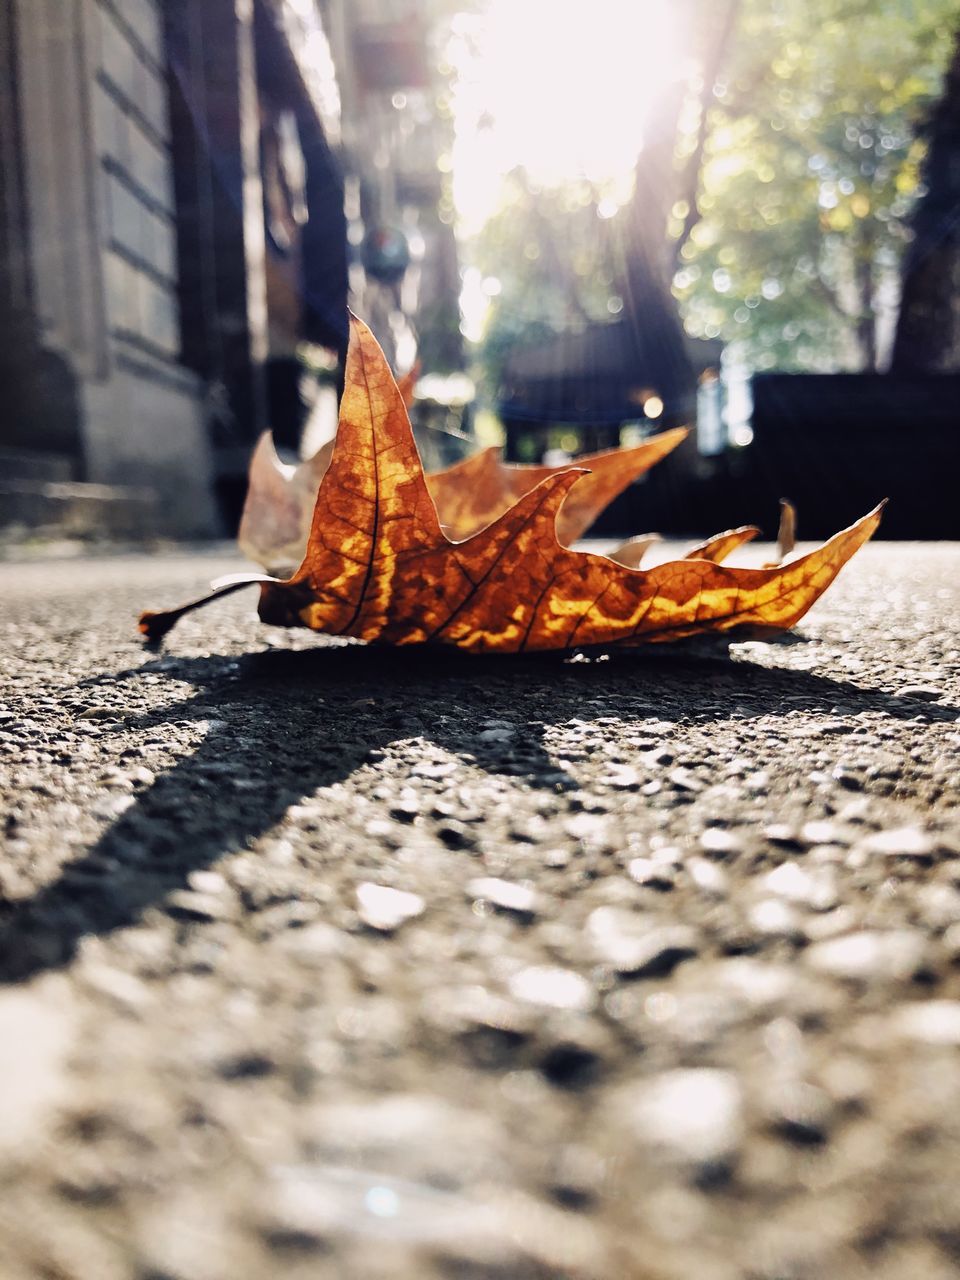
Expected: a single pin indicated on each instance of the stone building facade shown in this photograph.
(182, 215)
(89, 315)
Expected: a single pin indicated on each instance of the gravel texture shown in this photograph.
(323, 961)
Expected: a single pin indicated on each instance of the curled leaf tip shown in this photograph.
(787, 532)
(717, 548)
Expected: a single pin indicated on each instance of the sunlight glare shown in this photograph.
(561, 87)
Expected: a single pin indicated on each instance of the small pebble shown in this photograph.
(830, 924)
(761, 984)
(922, 692)
(184, 904)
(207, 882)
(870, 955)
(856, 811)
(386, 909)
(693, 1116)
(939, 905)
(758, 782)
(717, 840)
(933, 1022)
(801, 1112)
(835, 726)
(491, 736)
(848, 777)
(123, 989)
(406, 808)
(621, 778)
(651, 873)
(434, 769)
(708, 877)
(506, 895)
(587, 827)
(316, 944)
(774, 918)
(456, 835)
(685, 780)
(552, 986)
(902, 842)
(815, 888)
(821, 833)
(629, 944)
(782, 833)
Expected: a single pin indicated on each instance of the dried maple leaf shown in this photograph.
(787, 533)
(379, 566)
(468, 496)
(473, 493)
(407, 384)
(279, 505)
(631, 552)
(716, 548)
(281, 496)
(721, 545)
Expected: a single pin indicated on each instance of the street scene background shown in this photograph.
(320, 959)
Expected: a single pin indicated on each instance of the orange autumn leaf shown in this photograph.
(631, 552)
(407, 384)
(787, 533)
(473, 493)
(279, 504)
(379, 566)
(721, 545)
(281, 496)
(468, 495)
(716, 548)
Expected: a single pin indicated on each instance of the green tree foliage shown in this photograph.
(554, 259)
(810, 169)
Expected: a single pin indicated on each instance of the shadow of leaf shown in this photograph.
(284, 724)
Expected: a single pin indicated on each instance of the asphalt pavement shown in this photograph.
(333, 962)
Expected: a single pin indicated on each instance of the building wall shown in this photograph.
(147, 426)
(100, 218)
(132, 141)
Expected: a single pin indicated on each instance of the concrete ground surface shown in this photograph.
(324, 961)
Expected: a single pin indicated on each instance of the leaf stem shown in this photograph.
(156, 625)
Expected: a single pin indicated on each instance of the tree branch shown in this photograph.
(690, 176)
(831, 298)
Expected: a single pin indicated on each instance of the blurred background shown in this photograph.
(581, 222)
